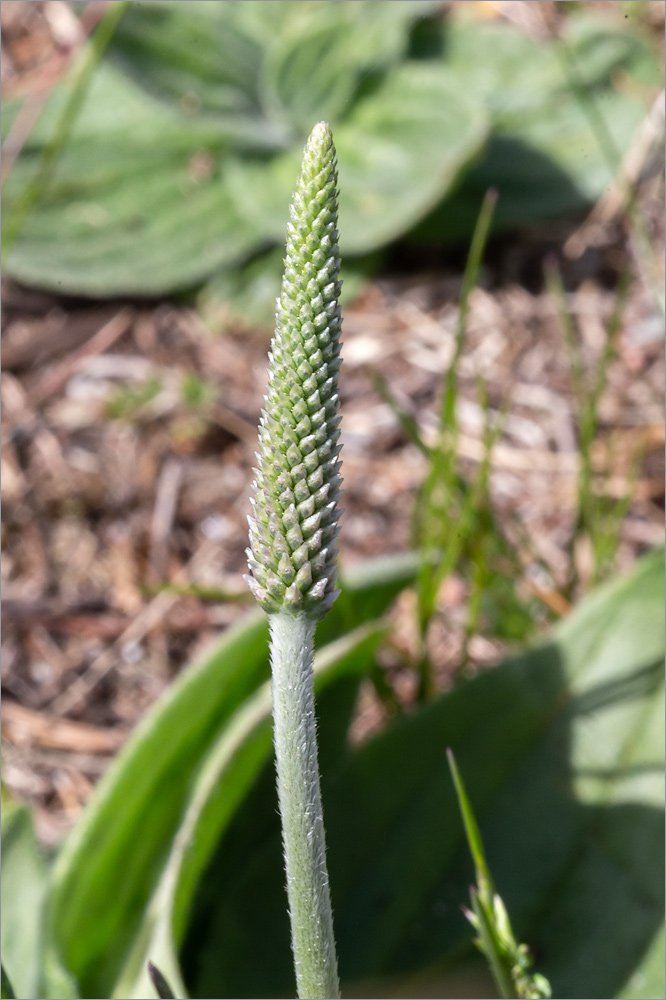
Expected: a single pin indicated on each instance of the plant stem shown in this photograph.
(295, 737)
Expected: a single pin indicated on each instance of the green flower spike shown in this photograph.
(294, 526)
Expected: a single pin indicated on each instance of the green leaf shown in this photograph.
(24, 877)
(176, 168)
(484, 879)
(134, 813)
(562, 751)
(647, 982)
(245, 293)
(515, 77)
(244, 63)
(330, 47)
(229, 770)
(400, 149)
(548, 154)
(509, 961)
(181, 164)
(131, 176)
(195, 57)
(321, 52)
(136, 810)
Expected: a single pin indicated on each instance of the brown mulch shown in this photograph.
(127, 450)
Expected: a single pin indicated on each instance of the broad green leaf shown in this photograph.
(380, 28)
(145, 198)
(134, 813)
(321, 52)
(24, 877)
(195, 56)
(131, 177)
(229, 770)
(136, 810)
(515, 77)
(315, 65)
(471, 980)
(181, 165)
(562, 752)
(549, 154)
(249, 61)
(248, 293)
(400, 149)
(647, 982)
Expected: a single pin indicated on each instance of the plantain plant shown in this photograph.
(150, 893)
(293, 530)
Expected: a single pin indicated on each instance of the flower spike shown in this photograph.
(294, 523)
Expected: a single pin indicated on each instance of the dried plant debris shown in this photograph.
(128, 445)
(125, 487)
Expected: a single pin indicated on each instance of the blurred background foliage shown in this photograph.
(180, 163)
(162, 164)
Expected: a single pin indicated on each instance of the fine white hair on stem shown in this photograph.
(313, 943)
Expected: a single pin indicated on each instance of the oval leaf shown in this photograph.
(562, 752)
(135, 812)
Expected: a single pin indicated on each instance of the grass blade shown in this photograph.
(483, 876)
(597, 516)
(439, 500)
(408, 424)
(470, 276)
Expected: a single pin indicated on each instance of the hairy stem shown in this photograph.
(313, 944)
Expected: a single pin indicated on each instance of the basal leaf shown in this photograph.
(250, 60)
(24, 877)
(136, 204)
(321, 53)
(558, 133)
(562, 753)
(135, 812)
(7, 991)
(647, 982)
(228, 771)
(146, 198)
(382, 29)
(195, 56)
(181, 163)
(131, 820)
(316, 63)
(517, 78)
(400, 149)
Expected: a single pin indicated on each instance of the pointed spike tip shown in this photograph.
(322, 130)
